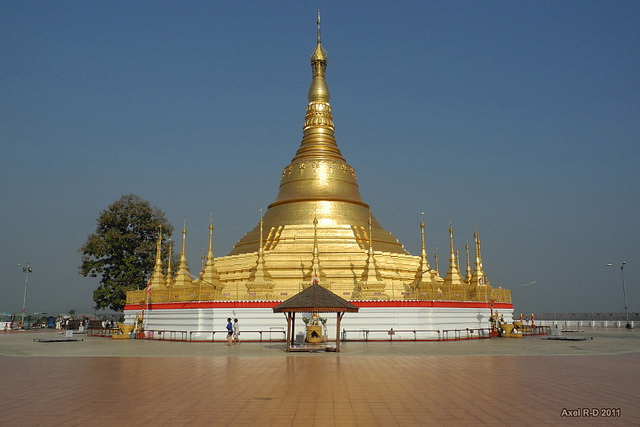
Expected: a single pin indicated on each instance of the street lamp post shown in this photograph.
(624, 292)
(26, 269)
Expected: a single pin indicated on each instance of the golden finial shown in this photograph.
(452, 255)
(159, 244)
(210, 235)
(169, 278)
(468, 272)
(370, 238)
(318, 22)
(261, 224)
(184, 239)
(424, 250)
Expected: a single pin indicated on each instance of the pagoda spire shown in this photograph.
(157, 279)
(183, 277)
(425, 276)
(371, 286)
(467, 277)
(318, 141)
(453, 280)
(210, 276)
(260, 283)
(169, 278)
(478, 278)
(435, 257)
(316, 271)
(484, 275)
(318, 181)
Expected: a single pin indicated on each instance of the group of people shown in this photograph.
(233, 332)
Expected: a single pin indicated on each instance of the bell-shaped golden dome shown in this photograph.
(319, 183)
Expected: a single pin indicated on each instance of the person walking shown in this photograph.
(229, 331)
(236, 331)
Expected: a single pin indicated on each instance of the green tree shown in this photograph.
(122, 250)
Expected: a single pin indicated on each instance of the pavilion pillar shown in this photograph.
(338, 319)
(288, 316)
(293, 328)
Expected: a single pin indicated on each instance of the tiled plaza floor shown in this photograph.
(232, 387)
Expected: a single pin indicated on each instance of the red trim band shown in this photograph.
(361, 304)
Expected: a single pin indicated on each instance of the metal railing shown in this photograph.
(103, 332)
(442, 335)
(469, 333)
(273, 330)
(535, 330)
(586, 317)
(361, 334)
(161, 335)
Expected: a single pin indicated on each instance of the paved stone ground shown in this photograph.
(527, 381)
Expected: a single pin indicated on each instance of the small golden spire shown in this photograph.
(210, 276)
(169, 279)
(436, 259)
(261, 225)
(315, 235)
(424, 250)
(424, 278)
(210, 254)
(156, 279)
(452, 255)
(183, 277)
(184, 237)
(316, 271)
(477, 278)
(159, 245)
(370, 238)
(467, 278)
(260, 282)
(371, 285)
(424, 259)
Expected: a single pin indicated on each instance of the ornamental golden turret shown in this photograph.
(157, 280)
(183, 277)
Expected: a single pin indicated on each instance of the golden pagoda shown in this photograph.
(319, 227)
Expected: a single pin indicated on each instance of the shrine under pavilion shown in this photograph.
(319, 229)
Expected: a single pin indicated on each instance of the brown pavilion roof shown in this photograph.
(315, 298)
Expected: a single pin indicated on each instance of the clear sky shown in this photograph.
(519, 118)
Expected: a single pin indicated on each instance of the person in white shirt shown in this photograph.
(236, 331)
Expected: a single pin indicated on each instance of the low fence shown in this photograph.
(274, 334)
(587, 317)
(278, 334)
(418, 334)
(588, 323)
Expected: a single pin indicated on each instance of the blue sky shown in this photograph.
(518, 118)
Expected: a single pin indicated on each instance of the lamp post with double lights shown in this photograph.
(26, 269)
(624, 291)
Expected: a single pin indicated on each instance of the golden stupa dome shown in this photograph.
(319, 183)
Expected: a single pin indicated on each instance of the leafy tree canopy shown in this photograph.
(122, 250)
